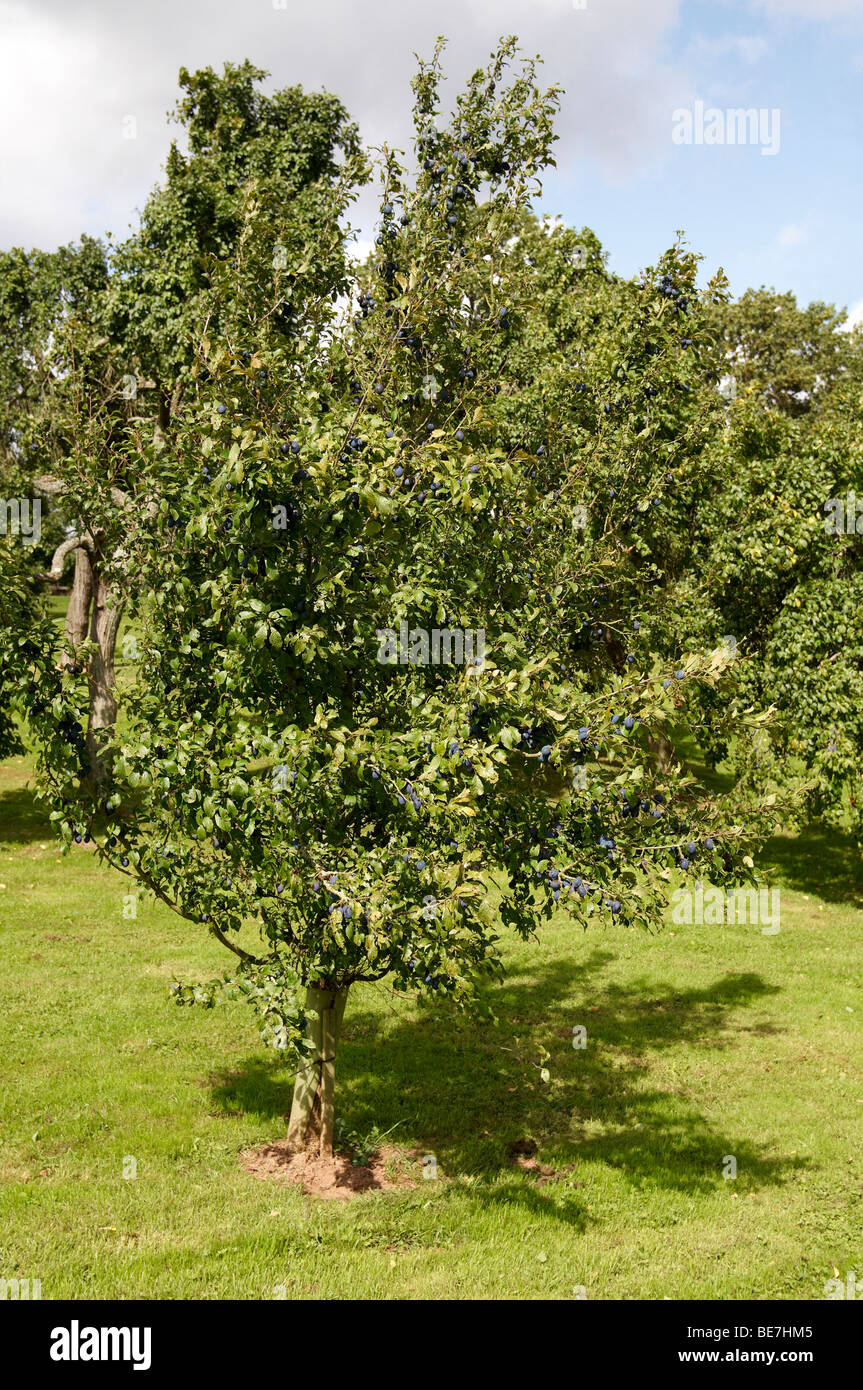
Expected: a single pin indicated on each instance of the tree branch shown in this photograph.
(169, 902)
(65, 548)
(59, 558)
(237, 950)
(53, 486)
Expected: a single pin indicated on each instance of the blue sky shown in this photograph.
(792, 220)
(73, 71)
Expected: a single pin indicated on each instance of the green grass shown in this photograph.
(702, 1042)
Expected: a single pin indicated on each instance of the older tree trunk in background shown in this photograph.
(78, 612)
(95, 610)
(660, 744)
(312, 1115)
(663, 752)
(106, 615)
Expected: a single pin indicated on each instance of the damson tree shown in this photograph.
(309, 763)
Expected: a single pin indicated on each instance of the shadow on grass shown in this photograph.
(826, 863)
(23, 818)
(467, 1092)
(260, 1086)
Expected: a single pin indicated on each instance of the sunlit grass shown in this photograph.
(703, 1044)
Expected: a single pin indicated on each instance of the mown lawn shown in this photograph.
(703, 1043)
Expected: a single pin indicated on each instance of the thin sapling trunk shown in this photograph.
(311, 1120)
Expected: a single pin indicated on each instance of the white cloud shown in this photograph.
(359, 250)
(792, 235)
(66, 165)
(750, 48)
(854, 318)
(812, 9)
(70, 70)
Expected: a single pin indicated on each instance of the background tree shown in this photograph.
(786, 355)
(611, 400)
(109, 336)
(25, 633)
(40, 292)
(775, 561)
(733, 544)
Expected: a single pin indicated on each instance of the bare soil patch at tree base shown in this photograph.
(336, 1178)
(522, 1154)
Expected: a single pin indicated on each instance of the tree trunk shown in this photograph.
(663, 751)
(311, 1121)
(104, 626)
(78, 612)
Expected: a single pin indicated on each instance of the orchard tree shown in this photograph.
(115, 333)
(776, 563)
(25, 632)
(768, 559)
(39, 292)
(616, 399)
(285, 151)
(366, 730)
